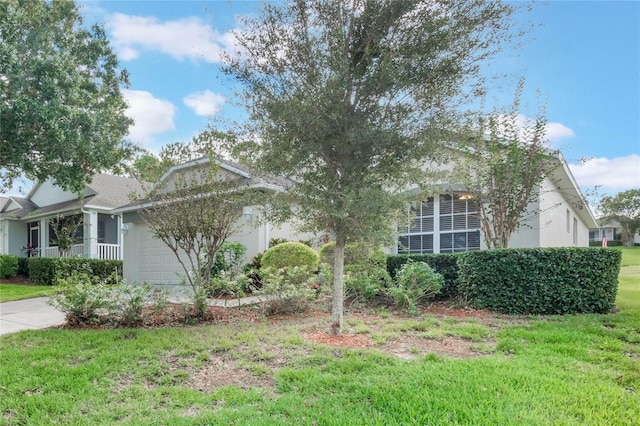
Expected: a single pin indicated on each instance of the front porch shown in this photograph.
(98, 237)
(105, 251)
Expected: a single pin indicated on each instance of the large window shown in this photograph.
(446, 224)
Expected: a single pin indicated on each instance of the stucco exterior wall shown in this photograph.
(149, 260)
(560, 220)
(48, 193)
(17, 237)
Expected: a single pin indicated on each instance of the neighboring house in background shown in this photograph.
(610, 230)
(25, 222)
(147, 259)
(448, 222)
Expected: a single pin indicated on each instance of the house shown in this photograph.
(27, 224)
(147, 259)
(444, 223)
(448, 222)
(609, 230)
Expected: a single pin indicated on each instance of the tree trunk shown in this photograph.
(337, 305)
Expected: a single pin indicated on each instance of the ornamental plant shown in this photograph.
(415, 281)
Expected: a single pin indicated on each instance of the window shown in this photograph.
(568, 221)
(102, 226)
(446, 224)
(575, 231)
(418, 228)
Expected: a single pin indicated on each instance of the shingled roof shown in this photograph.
(104, 192)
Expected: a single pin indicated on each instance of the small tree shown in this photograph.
(65, 232)
(193, 213)
(347, 98)
(624, 208)
(502, 160)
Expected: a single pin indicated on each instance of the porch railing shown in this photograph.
(108, 251)
(76, 250)
(105, 251)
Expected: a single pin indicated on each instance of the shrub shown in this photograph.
(542, 280)
(354, 254)
(128, 300)
(81, 300)
(276, 241)
(415, 281)
(45, 270)
(231, 285)
(290, 254)
(289, 289)
(365, 269)
(366, 284)
(8, 266)
(229, 258)
(84, 300)
(23, 267)
(446, 264)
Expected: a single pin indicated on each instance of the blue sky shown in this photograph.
(585, 60)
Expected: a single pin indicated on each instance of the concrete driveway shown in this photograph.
(29, 314)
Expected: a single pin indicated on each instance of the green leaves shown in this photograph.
(623, 208)
(541, 281)
(61, 108)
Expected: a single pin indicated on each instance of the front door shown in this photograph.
(33, 240)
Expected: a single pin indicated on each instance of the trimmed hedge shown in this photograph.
(45, 270)
(445, 264)
(290, 254)
(8, 266)
(541, 280)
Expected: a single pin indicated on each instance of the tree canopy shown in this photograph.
(624, 208)
(502, 160)
(62, 113)
(348, 99)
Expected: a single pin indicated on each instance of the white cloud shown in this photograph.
(151, 115)
(557, 131)
(204, 103)
(187, 38)
(554, 132)
(613, 174)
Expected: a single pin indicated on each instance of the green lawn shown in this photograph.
(571, 370)
(11, 292)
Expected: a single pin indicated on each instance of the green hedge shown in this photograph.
(8, 266)
(445, 264)
(23, 267)
(45, 270)
(541, 281)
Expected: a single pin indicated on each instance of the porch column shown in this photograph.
(91, 235)
(121, 232)
(43, 235)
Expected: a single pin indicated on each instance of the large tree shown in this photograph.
(502, 159)
(347, 98)
(624, 208)
(62, 113)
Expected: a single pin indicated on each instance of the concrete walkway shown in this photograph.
(34, 314)
(29, 314)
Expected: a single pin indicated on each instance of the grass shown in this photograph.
(575, 369)
(12, 292)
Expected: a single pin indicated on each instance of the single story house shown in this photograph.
(448, 222)
(609, 230)
(26, 223)
(443, 223)
(147, 259)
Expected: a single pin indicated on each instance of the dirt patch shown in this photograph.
(219, 372)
